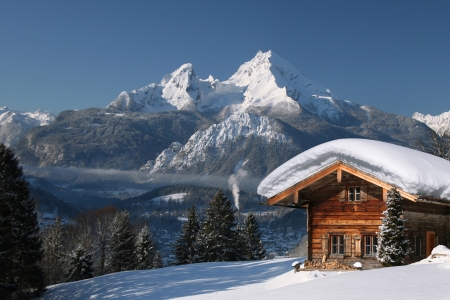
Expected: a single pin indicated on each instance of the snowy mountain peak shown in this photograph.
(265, 83)
(438, 123)
(15, 124)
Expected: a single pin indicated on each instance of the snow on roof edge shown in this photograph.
(412, 171)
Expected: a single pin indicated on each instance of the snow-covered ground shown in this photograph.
(266, 280)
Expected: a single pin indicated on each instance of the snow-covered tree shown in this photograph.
(53, 247)
(185, 246)
(20, 246)
(157, 260)
(217, 234)
(392, 243)
(253, 247)
(145, 250)
(121, 246)
(80, 264)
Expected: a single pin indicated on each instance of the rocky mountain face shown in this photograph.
(438, 123)
(94, 138)
(264, 114)
(15, 124)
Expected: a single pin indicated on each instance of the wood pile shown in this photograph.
(332, 265)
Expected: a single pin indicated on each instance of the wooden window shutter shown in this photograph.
(342, 195)
(347, 245)
(364, 193)
(325, 239)
(357, 241)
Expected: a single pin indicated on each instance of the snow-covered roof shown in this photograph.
(412, 171)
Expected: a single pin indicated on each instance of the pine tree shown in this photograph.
(52, 244)
(185, 246)
(122, 257)
(392, 243)
(218, 237)
(145, 250)
(80, 264)
(240, 243)
(253, 249)
(20, 247)
(157, 261)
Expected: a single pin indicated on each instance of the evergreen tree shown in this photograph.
(53, 244)
(185, 246)
(392, 243)
(20, 247)
(157, 261)
(80, 264)
(240, 243)
(122, 257)
(218, 236)
(145, 250)
(253, 249)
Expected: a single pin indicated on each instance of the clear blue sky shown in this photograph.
(58, 55)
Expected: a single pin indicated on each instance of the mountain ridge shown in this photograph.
(189, 125)
(16, 124)
(439, 123)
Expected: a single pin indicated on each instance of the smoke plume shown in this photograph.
(233, 182)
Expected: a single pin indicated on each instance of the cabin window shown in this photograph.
(370, 243)
(337, 245)
(354, 193)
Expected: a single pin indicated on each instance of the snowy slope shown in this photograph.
(15, 124)
(415, 172)
(438, 123)
(210, 144)
(266, 83)
(263, 280)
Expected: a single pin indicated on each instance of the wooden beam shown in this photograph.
(303, 184)
(339, 167)
(296, 197)
(339, 175)
(377, 181)
(385, 194)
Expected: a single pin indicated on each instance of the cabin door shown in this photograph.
(430, 242)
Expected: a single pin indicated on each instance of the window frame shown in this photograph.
(354, 193)
(339, 245)
(370, 249)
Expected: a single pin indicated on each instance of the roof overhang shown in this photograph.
(337, 166)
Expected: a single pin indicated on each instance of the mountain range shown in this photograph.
(14, 124)
(439, 123)
(264, 114)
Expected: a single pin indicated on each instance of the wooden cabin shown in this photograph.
(344, 206)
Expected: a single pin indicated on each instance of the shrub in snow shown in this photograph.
(157, 261)
(392, 243)
(80, 265)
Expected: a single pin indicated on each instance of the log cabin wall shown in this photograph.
(338, 226)
(422, 218)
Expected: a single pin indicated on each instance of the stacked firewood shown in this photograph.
(332, 265)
